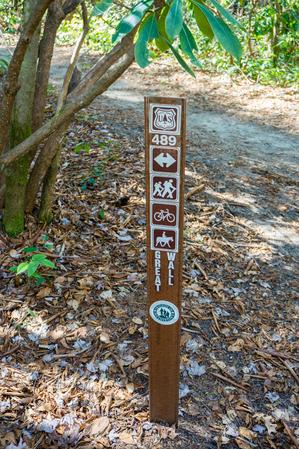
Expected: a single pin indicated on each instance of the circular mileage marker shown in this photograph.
(164, 312)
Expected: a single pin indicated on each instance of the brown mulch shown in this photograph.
(74, 363)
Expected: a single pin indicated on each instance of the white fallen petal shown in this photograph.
(194, 369)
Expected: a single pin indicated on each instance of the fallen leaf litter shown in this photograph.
(74, 363)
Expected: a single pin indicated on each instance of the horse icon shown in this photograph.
(164, 240)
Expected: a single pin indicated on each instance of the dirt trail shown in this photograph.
(244, 135)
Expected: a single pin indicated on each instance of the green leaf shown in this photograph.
(4, 63)
(49, 245)
(22, 267)
(32, 267)
(174, 19)
(225, 14)
(148, 31)
(32, 313)
(101, 7)
(38, 258)
(188, 44)
(29, 249)
(82, 147)
(202, 22)
(160, 42)
(13, 269)
(102, 214)
(39, 279)
(181, 61)
(48, 263)
(223, 33)
(128, 23)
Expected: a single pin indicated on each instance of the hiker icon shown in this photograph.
(165, 190)
(164, 314)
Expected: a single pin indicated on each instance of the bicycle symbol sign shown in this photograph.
(164, 214)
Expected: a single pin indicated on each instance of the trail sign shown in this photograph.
(165, 145)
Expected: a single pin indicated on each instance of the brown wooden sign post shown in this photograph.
(165, 143)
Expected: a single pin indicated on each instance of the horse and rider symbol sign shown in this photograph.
(164, 240)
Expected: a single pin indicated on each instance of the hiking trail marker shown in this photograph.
(165, 146)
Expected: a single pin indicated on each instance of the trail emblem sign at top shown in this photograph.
(165, 119)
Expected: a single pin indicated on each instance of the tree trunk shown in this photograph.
(54, 18)
(42, 165)
(21, 128)
(46, 156)
(101, 76)
(11, 82)
(45, 211)
(45, 215)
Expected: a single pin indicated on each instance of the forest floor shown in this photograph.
(74, 366)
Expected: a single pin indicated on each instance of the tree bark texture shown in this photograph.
(45, 214)
(47, 156)
(11, 83)
(56, 14)
(45, 211)
(42, 165)
(54, 18)
(21, 127)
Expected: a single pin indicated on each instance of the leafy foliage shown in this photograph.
(4, 62)
(100, 8)
(166, 28)
(129, 22)
(249, 23)
(148, 31)
(32, 266)
(218, 27)
(174, 19)
(222, 32)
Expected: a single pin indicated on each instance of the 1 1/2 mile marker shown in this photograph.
(165, 146)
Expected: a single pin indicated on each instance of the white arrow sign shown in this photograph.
(165, 159)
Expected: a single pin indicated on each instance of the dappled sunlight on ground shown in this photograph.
(74, 352)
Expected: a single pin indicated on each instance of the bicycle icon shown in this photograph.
(164, 215)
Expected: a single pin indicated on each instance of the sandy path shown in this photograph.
(244, 136)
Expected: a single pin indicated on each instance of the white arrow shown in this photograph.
(165, 158)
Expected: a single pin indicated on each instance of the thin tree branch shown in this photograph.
(104, 73)
(70, 5)
(74, 59)
(56, 14)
